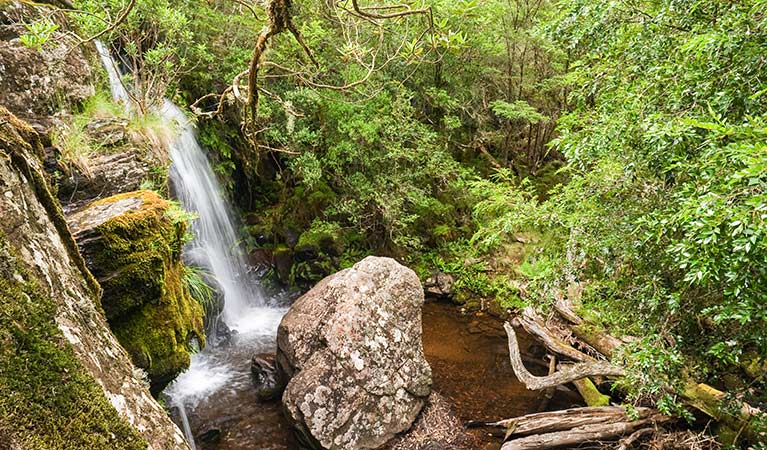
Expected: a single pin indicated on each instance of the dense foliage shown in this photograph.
(523, 146)
(663, 219)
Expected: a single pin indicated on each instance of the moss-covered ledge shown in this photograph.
(132, 243)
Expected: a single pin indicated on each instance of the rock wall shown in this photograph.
(65, 380)
(36, 84)
(352, 350)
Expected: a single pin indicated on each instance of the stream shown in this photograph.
(214, 401)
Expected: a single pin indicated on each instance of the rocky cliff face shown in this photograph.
(36, 84)
(352, 350)
(66, 382)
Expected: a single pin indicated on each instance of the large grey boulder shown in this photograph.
(352, 350)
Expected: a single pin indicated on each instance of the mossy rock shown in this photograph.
(133, 246)
(321, 240)
(49, 396)
(48, 399)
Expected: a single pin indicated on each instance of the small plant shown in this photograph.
(198, 288)
(177, 214)
(38, 34)
(75, 148)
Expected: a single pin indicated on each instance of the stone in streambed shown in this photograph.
(352, 350)
(269, 385)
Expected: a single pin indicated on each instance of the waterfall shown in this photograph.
(215, 245)
(221, 368)
(119, 94)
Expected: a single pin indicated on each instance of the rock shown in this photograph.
(133, 247)
(36, 84)
(439, 285)
(282, 258)
(108, 174)
(108, 132)
(437, 428)
(351, 348)
(67, 382)
(269, 385)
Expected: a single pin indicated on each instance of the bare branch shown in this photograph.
(575, 372)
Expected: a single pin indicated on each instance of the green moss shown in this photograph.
(322, 237)
(156, 335)
(146, 301)
(26, 152)
(48, 399)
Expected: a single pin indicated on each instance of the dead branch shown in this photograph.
(365, 12)
(533, 324)
(626, 443)
(565, 309)
(548, 393)
(549, 422)
(575, 372)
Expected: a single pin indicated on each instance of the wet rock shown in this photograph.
(352, 350)
(210, 438)
(53, 330)
(133, 248)
(35, 84)
(439, 285)
(282, 258)
(269, 385)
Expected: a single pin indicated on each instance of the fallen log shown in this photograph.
(579, 435)
(566, 419)
(534, 325)
(572, 373)
(736, 415)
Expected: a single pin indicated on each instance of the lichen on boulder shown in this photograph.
(132, 244)
(352, 350)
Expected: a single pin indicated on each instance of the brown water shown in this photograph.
(470, 365)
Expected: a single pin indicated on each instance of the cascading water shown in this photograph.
(221, 371)
(119, 94)
(215, 243)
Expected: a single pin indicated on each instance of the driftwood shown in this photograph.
(703, 397)
(566, 419)
(578, 435)
(572, 373)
